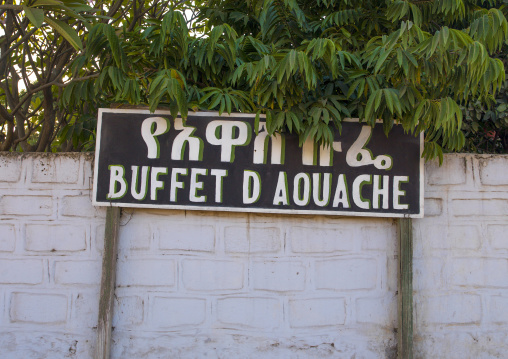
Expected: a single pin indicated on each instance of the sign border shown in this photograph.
(240, 209)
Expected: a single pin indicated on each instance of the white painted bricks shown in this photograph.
(78, 272)
(480, 207)
(304, 313)
(498, 310)
(55, 170)
(278, 276)
(346, 274)
(135, 236)
(7, 237)
(380, 311)
(84, 308)
(47, 268)
(259, 313)
(38, 308)
(433, 207)
(146, 272)
(26, 205)
(204, 284)
(52, 238)
(462, 236)
(238, 239)
(175, 236)
(204, 275)
(21, 271)
(493, 170)
(178, 312)
(322, 240)
(461, 260)
(77, 206)
(479, 272)
(452, 172)
(498, 236)
(460, 308)
(128, 311)
(10, 168)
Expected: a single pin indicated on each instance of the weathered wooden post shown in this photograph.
(405, 332)
(107, 291)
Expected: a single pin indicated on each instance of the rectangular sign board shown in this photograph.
(212, 162)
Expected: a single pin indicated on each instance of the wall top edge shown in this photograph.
(90, 155)
(76, 155)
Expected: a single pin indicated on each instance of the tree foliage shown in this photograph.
(306, 65)
(485, 125)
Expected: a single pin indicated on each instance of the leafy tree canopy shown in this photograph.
(306, 65)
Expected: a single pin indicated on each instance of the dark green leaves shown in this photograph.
(169, 87)
(383, 103)
(226, 100)
(36, 16)
(66, 31)
(309, 65)
(114, 44)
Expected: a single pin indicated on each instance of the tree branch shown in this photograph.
(113, 9)
(11, 7)
(6, 145)
(13, 47)
(49, 84)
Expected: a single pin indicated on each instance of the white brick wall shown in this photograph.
(461, 260)
(49, 269)
(194, 284)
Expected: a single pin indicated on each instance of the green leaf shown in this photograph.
(445, 33)
(256, 122)
(389, 100)
(369, 110)
(36, 16)
(47, 2)
(382, 59)
(377, 99)
(66, 31)
(114, 44)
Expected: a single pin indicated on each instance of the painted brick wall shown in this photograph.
(461, 260)
(49, 265)
(219, 285)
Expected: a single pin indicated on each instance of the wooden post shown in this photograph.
(405, 331)
(108, 279)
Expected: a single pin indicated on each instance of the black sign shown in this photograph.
(214, 162)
